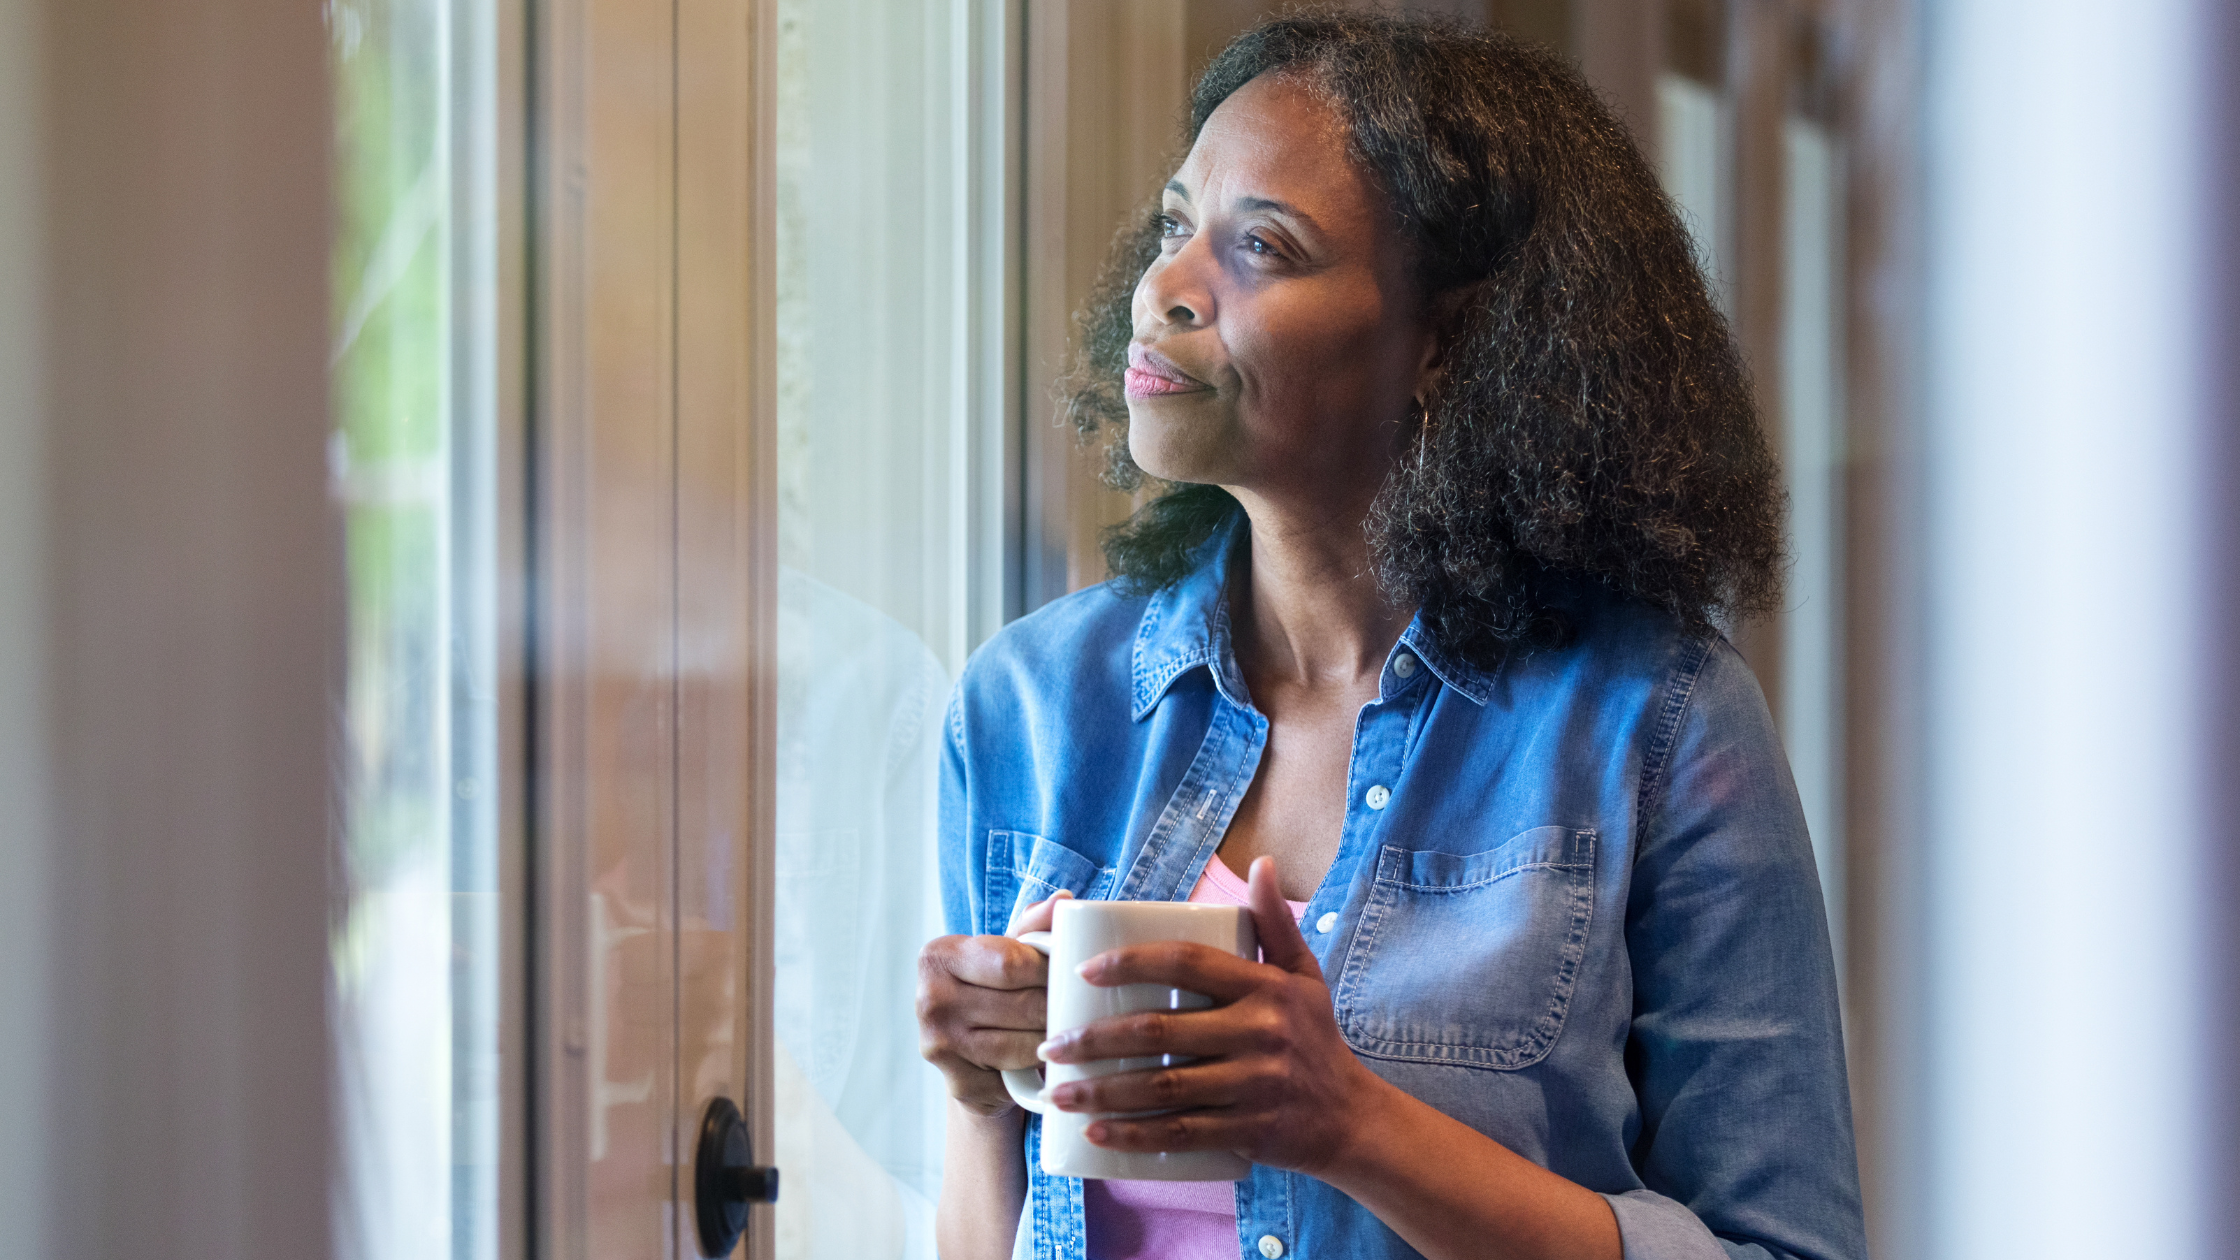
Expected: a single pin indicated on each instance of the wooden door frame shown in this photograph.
(716, 726)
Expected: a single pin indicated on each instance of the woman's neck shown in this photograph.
(1307, 608)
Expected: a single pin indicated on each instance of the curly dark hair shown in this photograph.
(1593, 420)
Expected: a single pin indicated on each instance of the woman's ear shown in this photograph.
(1443, 315)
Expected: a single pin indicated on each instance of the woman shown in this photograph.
(1460, 469)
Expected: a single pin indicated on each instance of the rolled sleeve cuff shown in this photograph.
(1653, 1227)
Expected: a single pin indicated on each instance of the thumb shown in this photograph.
(1037, 917)
(1280, 941)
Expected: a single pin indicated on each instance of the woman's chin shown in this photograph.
(1172, 451)
(1184, 470)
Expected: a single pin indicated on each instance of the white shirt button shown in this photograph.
(1326, 922)
(1377, 796)
(1404, 665)
(1271, 1246)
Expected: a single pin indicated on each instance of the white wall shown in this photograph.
(168, 627)
(2069, 643)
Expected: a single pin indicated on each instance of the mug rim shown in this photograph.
(1083, 903)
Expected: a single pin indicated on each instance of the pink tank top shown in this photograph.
(1171, 1220)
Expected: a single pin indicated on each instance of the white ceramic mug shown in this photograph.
(1080, 930)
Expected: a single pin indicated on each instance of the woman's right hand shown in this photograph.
(981, 1002)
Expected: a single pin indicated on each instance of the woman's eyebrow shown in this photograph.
(1255, 203)
(1284, 208)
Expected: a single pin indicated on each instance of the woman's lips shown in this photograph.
(1144, 384)
(1150, 374)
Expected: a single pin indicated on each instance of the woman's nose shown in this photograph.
(1173, 290)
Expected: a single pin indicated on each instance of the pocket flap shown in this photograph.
(1037, 867)
(1036, 860)
(1419, 871)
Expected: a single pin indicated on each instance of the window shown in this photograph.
(415, 937)
(1695, 128)
(1814, 444)
(932, 236)
(896, 425)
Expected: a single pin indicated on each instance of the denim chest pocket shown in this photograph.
(1470, 958)
(1024, 869)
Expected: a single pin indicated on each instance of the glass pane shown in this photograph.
(877, 434)
(1692, 126)
(414, 948)
(1812, 406)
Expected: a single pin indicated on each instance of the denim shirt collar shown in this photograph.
(1186, 625)
(1474, 683)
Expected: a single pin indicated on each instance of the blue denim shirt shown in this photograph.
(1574, 905)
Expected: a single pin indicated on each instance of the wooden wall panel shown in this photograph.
(1756, 73)
(1877, 93)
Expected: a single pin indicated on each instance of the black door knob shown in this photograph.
(725, 1178)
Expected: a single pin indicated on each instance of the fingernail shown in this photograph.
(1049, 1048)
(1065, 1096)
(1098, 1132)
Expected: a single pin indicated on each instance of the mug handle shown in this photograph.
(1026, 1084)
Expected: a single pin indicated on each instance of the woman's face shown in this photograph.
(1278, 336)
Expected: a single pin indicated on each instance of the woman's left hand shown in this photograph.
(1272, 1080)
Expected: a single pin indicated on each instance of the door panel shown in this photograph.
(648, 631)
(727, 566)
(606, 424)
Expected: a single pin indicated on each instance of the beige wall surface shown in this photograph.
(24, 835)
(178, 591)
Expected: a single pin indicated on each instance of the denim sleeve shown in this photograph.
(1736, 1048)
(958, 883)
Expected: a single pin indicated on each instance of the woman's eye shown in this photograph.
(1260, 245)
(1168, 226)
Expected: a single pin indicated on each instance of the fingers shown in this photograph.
(1216, 1130)
(963, 1006)
(1191, 1086)
(990, 962)
(1222, 1031)
(971, 1030)
(994, 1049)
(980, 1027)
(1280, 941)
(1217, 973)
(949, 1006)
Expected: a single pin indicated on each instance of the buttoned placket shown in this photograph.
(1267, 1222)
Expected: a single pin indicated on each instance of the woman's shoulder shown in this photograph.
(1621, 641)
(1689, 693)
(1644, 669)
(1058, 651)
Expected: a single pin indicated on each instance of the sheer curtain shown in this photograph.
(892, 425)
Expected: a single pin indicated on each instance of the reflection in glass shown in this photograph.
(878, 430)
(414, 942)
